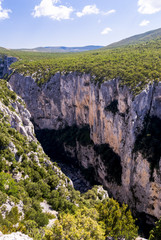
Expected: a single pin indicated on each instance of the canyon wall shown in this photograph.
(5, 63)
(122, 130)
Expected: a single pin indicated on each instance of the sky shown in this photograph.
(71, 23)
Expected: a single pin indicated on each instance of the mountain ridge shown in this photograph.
(138, 38)
(62, 49)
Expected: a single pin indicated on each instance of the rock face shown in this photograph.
(19, 118)
(15, 236)
(119, 124)
(5, 63)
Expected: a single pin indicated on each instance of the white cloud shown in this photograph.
(144, 23)
(4, 12)
(47, 8)
(106, 31)
(149, 6)
(88, 10)
(109, 12)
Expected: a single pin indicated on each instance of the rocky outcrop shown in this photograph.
(8, 205)
(14, 236)
(119, 125)
(5, 63)
(19, 118)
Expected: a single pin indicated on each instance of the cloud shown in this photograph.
(47, 8)
(149, 6)
(144, 23)
(88, 10)
(4, 13)
(92, 9)
(106, 31)
(109, 12)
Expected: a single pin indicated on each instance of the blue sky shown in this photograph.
(33, 23)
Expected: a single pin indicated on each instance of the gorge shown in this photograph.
(111, 130)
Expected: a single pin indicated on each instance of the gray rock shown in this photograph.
(15, 236)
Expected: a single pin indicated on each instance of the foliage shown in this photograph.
(7, 184)
(3, 198)
(118, 221)
(135, 65)
(155, 234)
(82, 225)
(13, 215)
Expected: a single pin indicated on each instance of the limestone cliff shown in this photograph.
(5, 63)
(120, 124)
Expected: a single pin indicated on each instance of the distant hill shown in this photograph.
(150, 35)
(62, 49)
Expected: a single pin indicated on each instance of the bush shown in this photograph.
(82, 225)
(3, 198)
(118, 221)
(155, 234)
(8, 184)
(13, 215)
(4, 141)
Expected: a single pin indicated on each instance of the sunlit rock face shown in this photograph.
(123, 126)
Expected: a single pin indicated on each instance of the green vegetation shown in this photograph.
(136, 65)
(155, 234)
(118, 221)
(80, 216)
(105, 219)
(6, 96)
(144, 37)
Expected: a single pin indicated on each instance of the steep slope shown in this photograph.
(27, 176)
(112, 132)
(144, 37)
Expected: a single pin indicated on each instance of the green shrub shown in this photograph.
(155, 234)
(13, 215)
(118, 221)
(3, 198)
(4, 141)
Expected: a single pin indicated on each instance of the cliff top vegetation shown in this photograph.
(136, 65)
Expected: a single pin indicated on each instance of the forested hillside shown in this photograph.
(135, 65)
(140, 38)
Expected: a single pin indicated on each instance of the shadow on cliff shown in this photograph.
(148, 142)
(54, 142)
(62, 146)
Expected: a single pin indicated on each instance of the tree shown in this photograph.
(118, 221)
(82, 225)
(8, 184)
